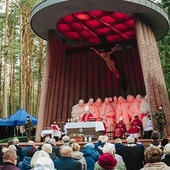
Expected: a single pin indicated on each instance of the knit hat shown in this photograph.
(106, 160)
(44, 163)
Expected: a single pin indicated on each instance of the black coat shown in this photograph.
(133, 156)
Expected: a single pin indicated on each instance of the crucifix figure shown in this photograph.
(109, 61)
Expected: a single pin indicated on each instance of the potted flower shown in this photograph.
(77, 136)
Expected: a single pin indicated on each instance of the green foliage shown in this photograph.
(21, 139)
(164, 50)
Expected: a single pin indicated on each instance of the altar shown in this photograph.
(93, 129)
(52, 133)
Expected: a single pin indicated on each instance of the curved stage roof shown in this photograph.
(83, 21)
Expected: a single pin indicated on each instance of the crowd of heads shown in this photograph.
(105, 154)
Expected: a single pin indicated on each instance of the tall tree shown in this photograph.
(5, 110)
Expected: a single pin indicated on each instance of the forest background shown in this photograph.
(22, 55)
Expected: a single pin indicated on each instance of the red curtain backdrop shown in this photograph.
(85, 75)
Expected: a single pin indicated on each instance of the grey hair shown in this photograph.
(167, 149)
(109, 148)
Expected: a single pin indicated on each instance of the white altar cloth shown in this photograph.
(77, 125)
(51, 132)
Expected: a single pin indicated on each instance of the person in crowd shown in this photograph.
(28, 126)
(56, 130)
(138, 143)
(160, 117)
(106, 162)
(120, 128)
(44, 163)
(9, 161)
(118, 144)
(132, 155)
(77, 155)
(55, 149)
(153, 159)
(148, 131)
(155, 136)
(166, 152)
(72, 141)
(110, 148)
(36, 156)
(16, 143)
(109, 61)
(1, 160)
(30, 144)
(136, 126)
(104, 139)
(96, 145)
(164, 142)
(25, 164)
(87, 115)
(66, 141)
(14, 149)
(66, 162)
(10, 142)
(48, 148)
(78, 110)
(90, 154)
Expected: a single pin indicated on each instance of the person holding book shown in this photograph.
(56, 130)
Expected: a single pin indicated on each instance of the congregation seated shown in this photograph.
(136, 126)
(120, 128)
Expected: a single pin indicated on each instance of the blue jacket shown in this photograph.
(67, 163)
(24, 151)
(91, 156)
(25, 164)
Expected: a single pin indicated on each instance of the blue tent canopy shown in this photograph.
(17, 119)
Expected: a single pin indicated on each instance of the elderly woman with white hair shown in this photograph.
(48, 148)
(166, 151)
(103, 140)
(110, 148)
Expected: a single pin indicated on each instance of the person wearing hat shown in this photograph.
(105, 161)
(109, 148)
(120, 128)
(87, 115)
(28, 126)
(136, 126)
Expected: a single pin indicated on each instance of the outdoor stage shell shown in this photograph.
(72, 71)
